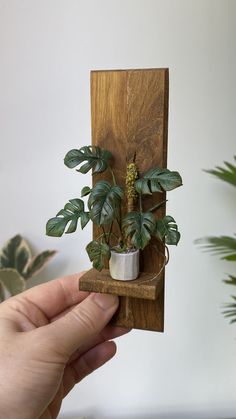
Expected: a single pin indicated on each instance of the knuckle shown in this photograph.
(84, 318)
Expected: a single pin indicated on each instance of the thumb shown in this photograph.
(84, 321)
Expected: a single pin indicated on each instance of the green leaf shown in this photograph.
(139, 227)
(167, 230)
(224, 246)
(227, 174)
(84, 219)
(56, 226)
(85, 191)
(104, 202)
(38, 262)
(158, 180)
(97, 253)
(15, 254)
(97, 159)
(71, 213)
(231, 280)
(231, 310)
(12, 281)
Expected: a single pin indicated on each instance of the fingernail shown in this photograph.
(105, 301)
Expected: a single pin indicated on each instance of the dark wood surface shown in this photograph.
(129, 115)
(146, 286)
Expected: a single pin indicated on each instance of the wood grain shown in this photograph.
(129, 114)
(147, 286)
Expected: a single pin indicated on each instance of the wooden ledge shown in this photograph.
(146, 286)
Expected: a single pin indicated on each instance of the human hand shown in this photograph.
(51, 337)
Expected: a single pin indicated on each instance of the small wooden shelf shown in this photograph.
(129, 117)
(147, 286)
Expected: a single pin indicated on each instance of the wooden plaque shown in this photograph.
(129, 110)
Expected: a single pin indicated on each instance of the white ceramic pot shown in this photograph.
(124, 266)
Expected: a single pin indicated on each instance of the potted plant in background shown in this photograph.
(17, 265)
(224, 246)
(121, 236)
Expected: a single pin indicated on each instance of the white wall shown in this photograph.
(47, 49)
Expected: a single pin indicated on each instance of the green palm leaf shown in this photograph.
(223, 245)
(104, 202)
(98, 253)
(231, 280)
(167, 230)
(139, 227)
(71, 213)
(158, 180)
(231, 310)
(96, 158)
(227, 174)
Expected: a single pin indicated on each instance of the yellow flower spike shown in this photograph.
(131, 176)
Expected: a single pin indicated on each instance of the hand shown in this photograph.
(51, 337)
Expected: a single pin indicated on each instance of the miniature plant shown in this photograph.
(17, 265)
(105, 202)
(224, 246)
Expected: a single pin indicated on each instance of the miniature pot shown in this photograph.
(124, 266)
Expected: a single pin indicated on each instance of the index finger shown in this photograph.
(55, 296)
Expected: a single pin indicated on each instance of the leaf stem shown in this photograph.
(157, 206)
(140, 203)
(113, 175)
(109, 233)
(104, 234)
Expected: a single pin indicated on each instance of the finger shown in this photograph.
(85, 321)
(108, 333)
(55, 296)
(89, 362)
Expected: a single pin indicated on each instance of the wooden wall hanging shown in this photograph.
(129, 110)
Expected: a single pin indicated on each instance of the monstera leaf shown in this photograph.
(97, 253)
(139, 227)
(104, 202)
(15, 254)
(166, 229)
(157, 180)
(12, 281)
(71, 213)
(85, 191)
(96, 158)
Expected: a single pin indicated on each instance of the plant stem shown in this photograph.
(109, 233)
(119, 224)
(115, 236)
(104, 234)
(140, 203)
(157, 205)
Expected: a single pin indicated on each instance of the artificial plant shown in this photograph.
(105, 202)
(17, 265)
(224, 246)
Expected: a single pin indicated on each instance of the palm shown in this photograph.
(224, 246)
(49, 371)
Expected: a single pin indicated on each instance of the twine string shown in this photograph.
(166, 257)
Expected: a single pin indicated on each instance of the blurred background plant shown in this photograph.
(17, 265)
(224, 246)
